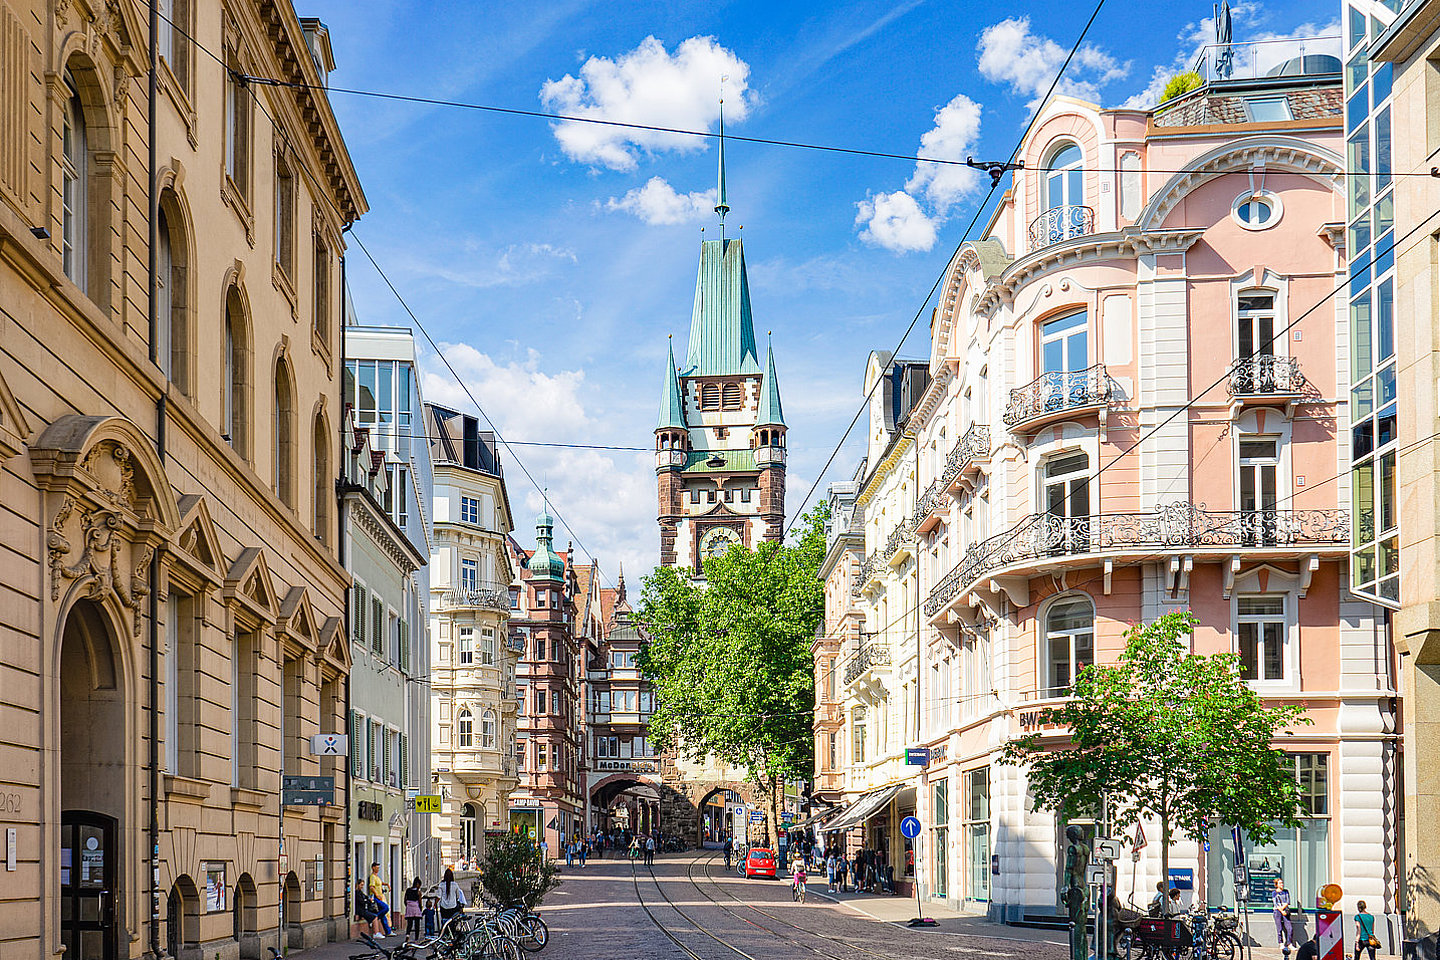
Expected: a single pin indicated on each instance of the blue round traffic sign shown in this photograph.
(910, 828)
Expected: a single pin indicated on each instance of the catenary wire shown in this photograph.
(979, 209)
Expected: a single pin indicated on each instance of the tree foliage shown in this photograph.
(1181, 83)
(1168, 735)
(730, 658)
(513, 870)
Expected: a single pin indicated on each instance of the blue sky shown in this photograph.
(551, 261)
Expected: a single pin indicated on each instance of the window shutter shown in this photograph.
(405, 646)
(377, 625)
(404, 761)
(357, 756)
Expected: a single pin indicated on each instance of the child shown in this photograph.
(430, 916)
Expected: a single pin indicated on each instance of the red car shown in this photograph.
(760, 862)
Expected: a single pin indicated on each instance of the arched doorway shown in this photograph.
(93, 751)
(182, 919)
(468, 817)
(246, 919)
(290, 899)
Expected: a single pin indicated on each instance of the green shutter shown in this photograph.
(357, 756)
(377, 637)
(385, 770)
(404, 761)
(404, 646)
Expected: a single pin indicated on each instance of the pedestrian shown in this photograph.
(584, 851)
(365, 910)
(830, 871)
(412, 911)
(1365, 931)
(649, 851)
(377, 888)
(570, 854)
(855, 868)
(452, 898)
(728, 847)
(1284, 928)
(431, 915)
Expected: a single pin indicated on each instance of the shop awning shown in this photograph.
(863, 809)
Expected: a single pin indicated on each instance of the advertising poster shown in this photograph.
(214, 886)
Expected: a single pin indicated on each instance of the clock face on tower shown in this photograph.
(717, 541)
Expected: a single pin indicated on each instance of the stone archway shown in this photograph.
(684, 812)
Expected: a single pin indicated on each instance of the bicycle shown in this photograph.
(797, 888)
(520, 924)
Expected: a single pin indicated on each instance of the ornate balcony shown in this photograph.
(483, 596)
(1061, 223)
(1044, 538)
(867, 657)
(1265, 376)
(876, 563)
(972, 448)
(1055, 395)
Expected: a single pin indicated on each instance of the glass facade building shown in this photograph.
(1375, 557)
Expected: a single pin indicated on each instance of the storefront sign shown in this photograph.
(330, 745)
(427, 803)
(370, 810)
(917, 756)
(1182, 878)
(526, 802)
(628, 766)
(939, 752)
(1263, 871)
(307, 791)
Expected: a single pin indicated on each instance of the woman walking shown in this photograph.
(412, 911)
(452, 898)
(1365, 931)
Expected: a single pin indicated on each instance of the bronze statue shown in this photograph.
(1077, 891)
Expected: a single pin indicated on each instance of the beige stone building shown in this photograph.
(473, 672)
(171, 634)
(1412, 46)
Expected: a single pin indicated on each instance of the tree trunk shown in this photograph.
(1165, 851)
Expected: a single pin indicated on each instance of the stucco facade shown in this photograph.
(174, 600)
(1139, 402)
(473, 679)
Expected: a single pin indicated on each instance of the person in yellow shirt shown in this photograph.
(377, 888)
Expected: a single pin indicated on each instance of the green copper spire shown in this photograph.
(771, 415)
(672, 404)
(544, 563)
(722, 207)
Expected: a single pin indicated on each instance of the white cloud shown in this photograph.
(518, 264)
(607, 497)
(1028, 62)
(957, 127)
(896, 222)
(657, 203)
(648, 85)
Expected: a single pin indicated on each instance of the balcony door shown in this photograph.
(1066, 527)
(1259, 463)
(1064, 186)
(1064, 355)
(1255, 342)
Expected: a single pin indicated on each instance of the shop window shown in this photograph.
(940, 816)
(977, 834)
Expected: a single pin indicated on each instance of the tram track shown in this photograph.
(685, 948)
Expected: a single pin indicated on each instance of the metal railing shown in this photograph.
(489, 596)
(1064, 222)
(870, 655)
(1176, 526)
(1265, 375)
(1058, 391)
(877, 560)
(973, 446)
(1281, 57)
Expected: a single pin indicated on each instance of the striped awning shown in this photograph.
(861, 810)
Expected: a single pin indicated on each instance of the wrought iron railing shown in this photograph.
(972, 446)
(881, 556)
(1065, 222)
(1058, 391)
(870, 655)
(494, 596)
(1260, 375)
(1174, 526)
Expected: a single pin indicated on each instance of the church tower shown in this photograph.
(720, 437)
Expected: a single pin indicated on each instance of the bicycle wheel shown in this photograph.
(533, 933)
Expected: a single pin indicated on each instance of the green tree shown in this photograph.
(1179, 84)
(513, 870)
(1165, 734)
(730, 658)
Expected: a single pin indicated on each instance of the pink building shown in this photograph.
(1150, 448)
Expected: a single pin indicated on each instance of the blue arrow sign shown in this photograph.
(910, 828)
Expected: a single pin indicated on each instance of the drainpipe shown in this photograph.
(341, 552)
(154, 605)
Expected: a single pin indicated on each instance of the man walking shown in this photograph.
(649, 851)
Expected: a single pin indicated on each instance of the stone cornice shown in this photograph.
(369, 519)
(934, 393)
(898, 448)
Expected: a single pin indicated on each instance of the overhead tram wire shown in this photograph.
(980, 209)
(404, 305)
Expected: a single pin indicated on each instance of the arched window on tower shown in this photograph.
(465, 725)
(487, 730)
(730, 396)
